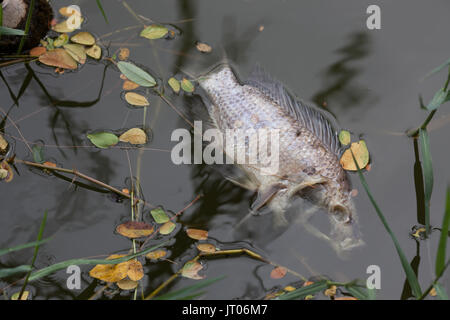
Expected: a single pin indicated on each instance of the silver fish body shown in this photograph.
(309, 149)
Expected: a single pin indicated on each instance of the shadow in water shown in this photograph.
(340, 76)
(415, 262)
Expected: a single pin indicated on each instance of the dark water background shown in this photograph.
(322, 51)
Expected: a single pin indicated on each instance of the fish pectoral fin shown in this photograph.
(264, 196)
(310, 182)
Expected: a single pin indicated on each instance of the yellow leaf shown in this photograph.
(136, 99)
(84, 38)
(134, 136)
(16, 295)
(361, 154)
(68, 11)
(58, 58)
(94, 52)
(110, 272)
(133, 229)
(157, 254)
(206, 247)
(167, 227)
(127, 284)
(135, 270)
(344, 137)
(77, 52)
(331, 291)
(6, 173)
(3, 144)
(289, 288)
(197, 234)
(345, 298)
(174, 84)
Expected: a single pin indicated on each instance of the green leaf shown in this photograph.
(410, 275)
(304, 291)
(11, 32)
(99, 5)
(22, 246)
(103, 140)
(12, 271)
(174, 84)
(361, 293)
(440, 291)
(439, 68)
(159, 215)
(427, 173)
(344, 137)
(441, 252)
(439, 98)
(186, 292)
(187, 86)
(38, 153)
(154, 31)
(64, 264)
(136, 74)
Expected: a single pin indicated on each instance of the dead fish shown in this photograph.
(309, 149)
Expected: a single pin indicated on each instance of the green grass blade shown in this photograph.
(64, 264)
(27, 25)
(427, 173)
(440, 257)
(410, 275)
(99, 5)
(440, 291)
(439, 68)
(11, 32)
(361, 293)
(12, 271)
(305, 291)
(23, 246)
(36, 249)
(188, 291)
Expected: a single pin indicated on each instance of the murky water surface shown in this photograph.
(321, 50)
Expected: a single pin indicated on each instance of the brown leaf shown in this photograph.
(197, 234)
(134, 229)
(124, 53)
(94, 52)
(190, 270)
(206, 247)
(129, 85)
(278, 273)
(6, 173)
(3, 144)
(135, 271)
(203, 47)
(84, 38)
(157, 254)
(127, 284)
(345, 298)
(361, 155)
(37, 51)
(58, 58)
(134, 136)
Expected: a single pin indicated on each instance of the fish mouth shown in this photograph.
(344, 229)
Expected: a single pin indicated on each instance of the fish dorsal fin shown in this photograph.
(312, 118)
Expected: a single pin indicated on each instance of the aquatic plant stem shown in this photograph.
(27, 26)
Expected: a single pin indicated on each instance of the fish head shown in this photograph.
(218, 79)
(344, 223)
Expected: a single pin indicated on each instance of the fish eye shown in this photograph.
(341, 214)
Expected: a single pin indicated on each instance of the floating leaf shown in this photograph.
(203, 47)
(110, 272)
(58, 58)
(361, 154)
(174, 84)
(197, 234)
(157, 254)
(84, 38)
(127, 284)
(16, 295)
(345, 298)
(134, 136)
(77, 52)
(159, 215)
(187, 86)
(38, 153)
(331, 291)
(50, 164)
(134, 229)
(154, 31)
(278, 273)
(344, 137)
(289, 288)
(167, 228)
(94, 52)
(6, 173)
(206, 247)
(68, 11)
(61, 40)
(136, 99)
(103, 140)
(124, 53)
(129, 85)
(190, 270)
(69, 25)
(37, 51)
(3, 144)
(136, 74)
(135, 270)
